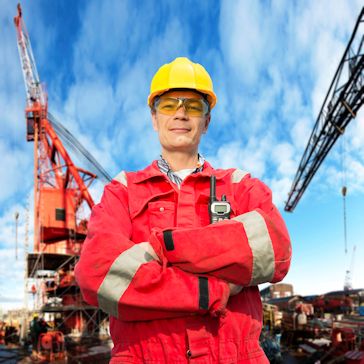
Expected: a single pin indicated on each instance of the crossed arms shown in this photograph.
(180, 271)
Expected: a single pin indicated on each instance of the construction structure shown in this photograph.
(277, 290)
(62, 203)
(341, 105)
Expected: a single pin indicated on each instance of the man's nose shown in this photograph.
(181, 113)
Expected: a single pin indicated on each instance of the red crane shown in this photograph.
(60, 196)
(60, 186)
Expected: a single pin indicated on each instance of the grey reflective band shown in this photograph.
(261, 246)
(121, 177)
(120, 275)
(238, 175)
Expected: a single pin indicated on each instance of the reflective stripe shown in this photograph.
(121, 177)
(120, 275)
(261, 246)
(203, 287)
(238, 175)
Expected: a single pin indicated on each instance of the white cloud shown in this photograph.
(283, 156)
(244, 38)
(12, 91)
(279, 189)
(313, 17)
(111, 111)
(292, 102)
(16, 170)
(327, 56)
(282, 92)
(92, 104)
(251, 157)
(321, 33)
(356, 172)
(12, 254)
(300, 132)
(355, 133)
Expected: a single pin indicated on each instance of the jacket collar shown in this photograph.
(153, 171)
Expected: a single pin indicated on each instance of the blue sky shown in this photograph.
(271, 62)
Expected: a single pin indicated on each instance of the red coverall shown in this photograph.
(155, 264)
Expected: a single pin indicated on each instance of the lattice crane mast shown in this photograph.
(341, 105)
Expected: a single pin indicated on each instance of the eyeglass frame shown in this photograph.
(204, 99)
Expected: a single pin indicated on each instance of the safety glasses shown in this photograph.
(193, 107)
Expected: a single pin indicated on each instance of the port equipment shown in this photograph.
(51, 347)
(61, 198)
(341, 105)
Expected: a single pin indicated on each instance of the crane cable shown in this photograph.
(79, 149)
(344, 189)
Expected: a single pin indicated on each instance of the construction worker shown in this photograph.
(35, 330)
(178, 288)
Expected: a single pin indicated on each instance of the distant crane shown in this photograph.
(348, 284)
(16, 216)
(341, 105)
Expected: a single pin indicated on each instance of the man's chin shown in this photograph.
(181, 142)
(180, 147)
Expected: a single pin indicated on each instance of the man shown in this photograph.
(179, 289)
(35, 331)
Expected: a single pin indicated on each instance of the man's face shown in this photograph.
(180, 132)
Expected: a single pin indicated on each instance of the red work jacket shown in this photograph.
(155, 264)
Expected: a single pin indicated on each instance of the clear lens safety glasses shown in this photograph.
(193, 107)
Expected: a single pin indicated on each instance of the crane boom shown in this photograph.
(33, 88)
(341, 105)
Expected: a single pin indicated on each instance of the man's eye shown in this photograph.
(196, 106)
(167, 106)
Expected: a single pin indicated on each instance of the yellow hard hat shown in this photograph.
(182, 73)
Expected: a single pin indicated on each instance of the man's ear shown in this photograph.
(154, 120)
(207, 122)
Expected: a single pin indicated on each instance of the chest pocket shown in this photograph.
(161, 214)
(202, 210)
